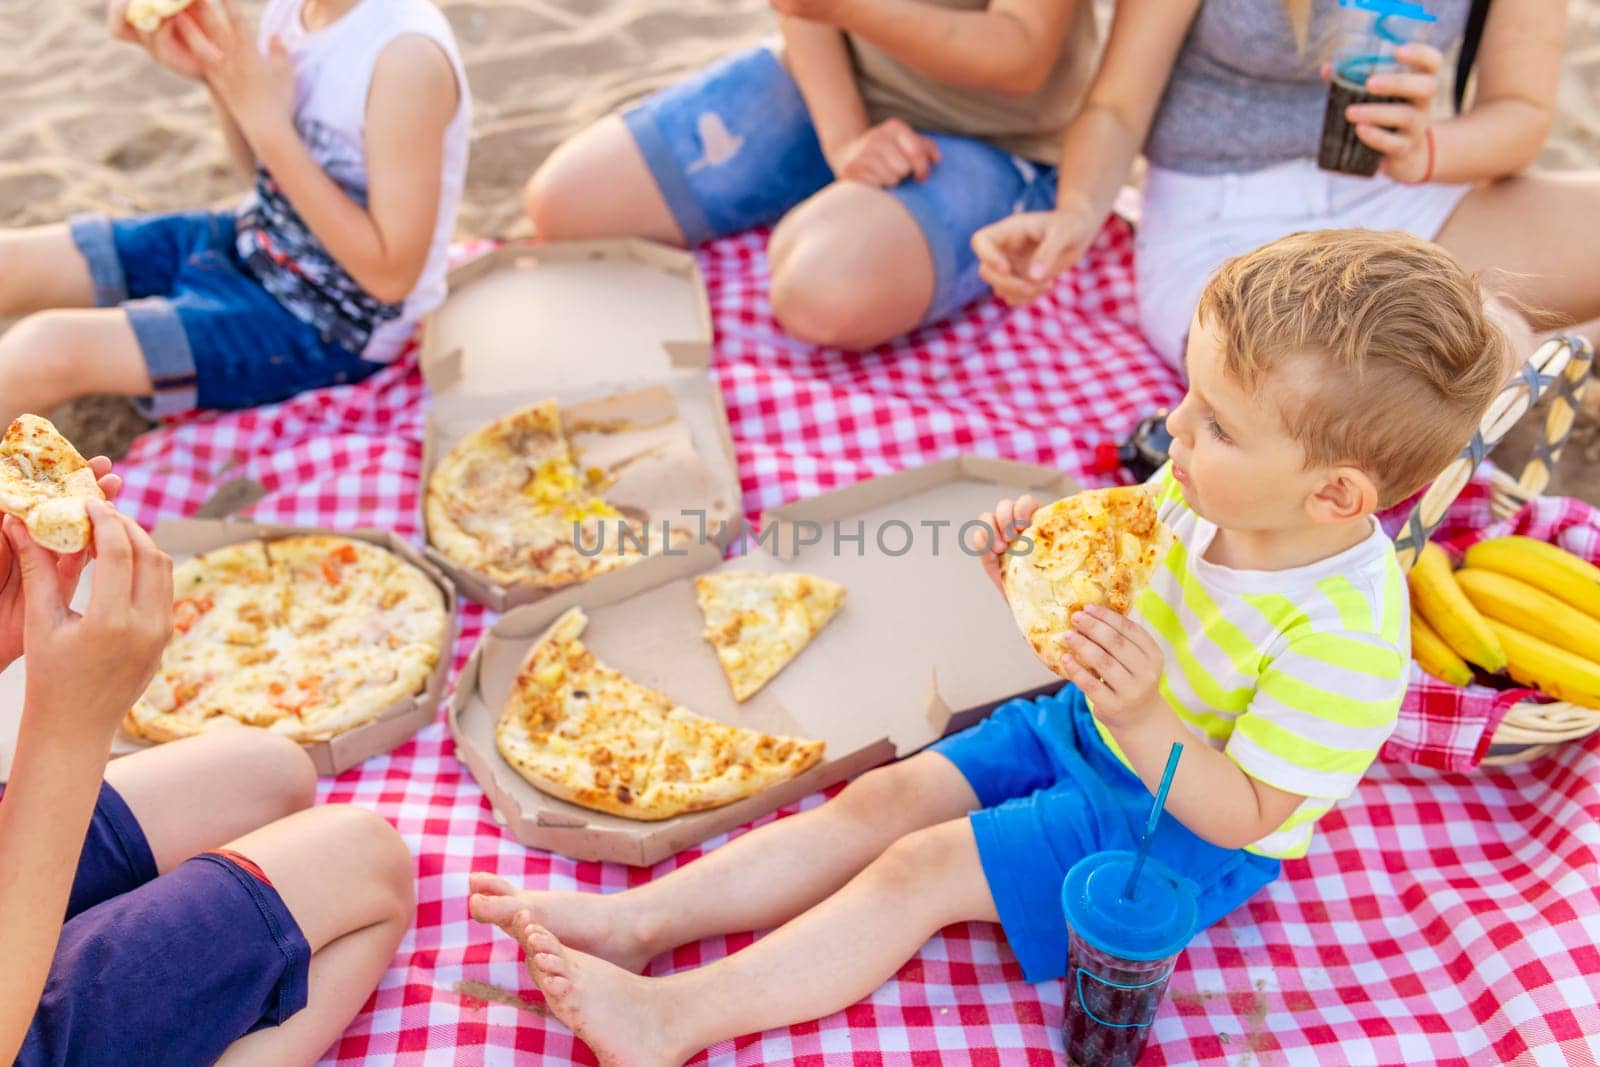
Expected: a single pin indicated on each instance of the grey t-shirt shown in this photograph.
(1244, 96)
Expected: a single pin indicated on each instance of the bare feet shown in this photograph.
(589, 922)
(619, 1015)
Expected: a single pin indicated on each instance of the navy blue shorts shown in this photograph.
(1052, 793)
(168, 969)
(212, 337)
(734, 147)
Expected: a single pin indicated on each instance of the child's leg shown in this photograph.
(54, 356)
(248, 778)
(349, 882)
(827, 959)
(42, 268)
(756, 882)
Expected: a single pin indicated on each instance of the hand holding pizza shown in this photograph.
(1006, 523)
(1116, 663)
(87, 670)
(257, 89)
(68, 570)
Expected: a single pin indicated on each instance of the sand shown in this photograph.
(89, 124)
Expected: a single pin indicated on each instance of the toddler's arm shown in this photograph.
(84, 671)
(411, 101)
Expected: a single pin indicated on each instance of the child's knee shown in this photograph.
(39, 345)
(381, 855)
(555, 198)
(918, 858)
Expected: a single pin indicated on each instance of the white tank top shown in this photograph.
(333, 74)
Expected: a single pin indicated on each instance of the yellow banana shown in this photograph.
(1434, 656)
(1533, 611)
(1440, 600)
(1552, 670)
(1554, 570)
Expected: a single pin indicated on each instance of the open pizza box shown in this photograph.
(185, 538)
(922, 647)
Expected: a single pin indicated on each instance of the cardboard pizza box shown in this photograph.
(185, 538)
(665, 445)
(923, 646)
(567, 315)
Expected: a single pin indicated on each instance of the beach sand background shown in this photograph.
(90, 124)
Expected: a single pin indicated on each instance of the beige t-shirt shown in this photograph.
(1028, 126)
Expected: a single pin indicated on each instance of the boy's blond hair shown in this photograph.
(1376, 343)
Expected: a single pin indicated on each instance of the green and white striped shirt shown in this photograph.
(1297, 675)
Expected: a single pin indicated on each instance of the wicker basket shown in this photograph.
(1563, 366)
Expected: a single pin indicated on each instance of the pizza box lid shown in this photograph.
(667, 444)
(923, 646)
(185, 538)
(567, 315)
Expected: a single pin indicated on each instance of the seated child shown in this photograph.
(1330, 374)
(179, 905)
(353, 119)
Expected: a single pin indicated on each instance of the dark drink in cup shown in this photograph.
(1341, 150)
(1121, 949)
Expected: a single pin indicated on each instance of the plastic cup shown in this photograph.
(1369, 33)
(1120, 953)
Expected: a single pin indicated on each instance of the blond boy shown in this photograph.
(1331, 374)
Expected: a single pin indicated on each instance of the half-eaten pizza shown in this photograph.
(47, 484)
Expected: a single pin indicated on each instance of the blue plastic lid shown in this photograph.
(1396, 8)
(1157, 921)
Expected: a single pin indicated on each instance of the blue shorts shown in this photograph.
(212, 337)
(734, 147)
(163, 969)
(1052, 793)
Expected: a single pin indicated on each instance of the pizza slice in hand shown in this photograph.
(47, 484)
(758, 623)
(1099, 546)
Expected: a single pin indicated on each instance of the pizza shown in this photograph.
(758, 623)
(146, 16)
(510, 503)
(585, 733)
(308, 637)
(47, 484)
(1099, 546)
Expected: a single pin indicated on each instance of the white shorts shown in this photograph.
(1191, 223)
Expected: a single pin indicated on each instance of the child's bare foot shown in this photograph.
(618, 1015)
(588, 922)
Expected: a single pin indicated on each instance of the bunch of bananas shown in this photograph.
(1516, 605)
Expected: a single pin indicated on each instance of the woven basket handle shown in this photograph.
(1562, 364)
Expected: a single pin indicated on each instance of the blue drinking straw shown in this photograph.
(1155, 817)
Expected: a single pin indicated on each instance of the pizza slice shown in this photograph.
(47, 484)
(585, 733)
(147, 15)
(1099, 546)
(758, 623)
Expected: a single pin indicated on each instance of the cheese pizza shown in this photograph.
(510, 502)
(758, 623)
(47, 484)
(585, 733)
(1099, 546)
(308, 637)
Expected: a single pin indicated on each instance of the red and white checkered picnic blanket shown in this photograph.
(1440, 918)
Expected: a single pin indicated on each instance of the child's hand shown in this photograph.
(68, 569)
(1116, 663)
(885, 155)
(1006, 522)
(258, 90)
(85, 671)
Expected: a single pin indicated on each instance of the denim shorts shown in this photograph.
(212, 337)
(163, 969)
(1052, 793)
(734, 147)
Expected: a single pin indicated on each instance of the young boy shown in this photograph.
(206, 914)
(1330, 374)
(353, 119)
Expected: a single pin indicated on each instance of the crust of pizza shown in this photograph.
(1099, 546)
(584, 733)
(47, 484)
(758, 623)
(308, 637)
(147, 15)
(504, 503)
